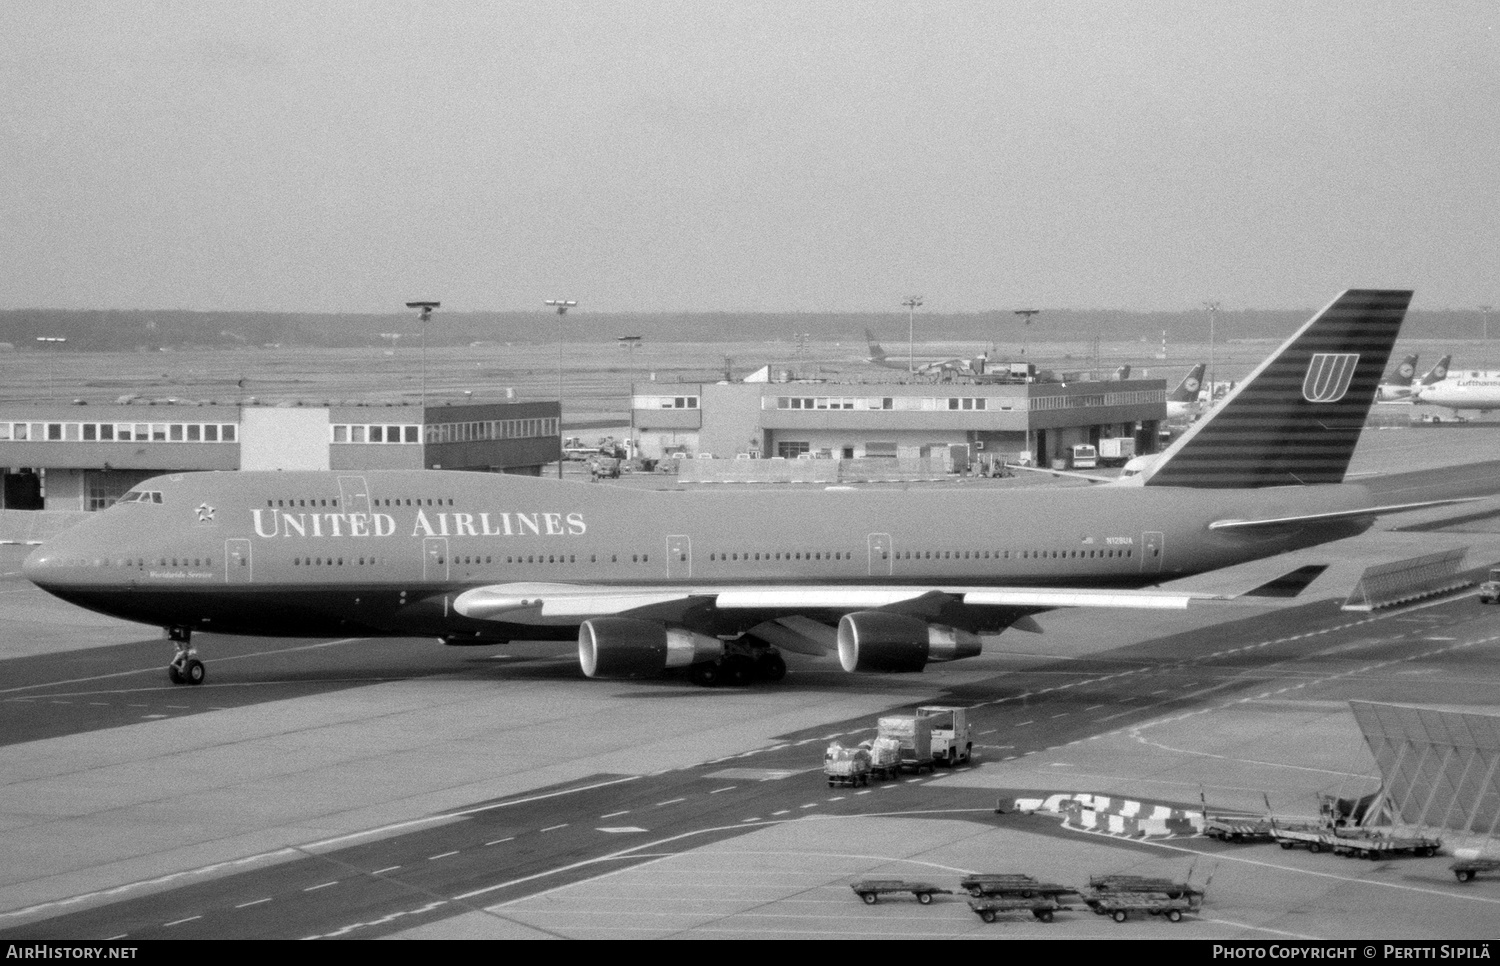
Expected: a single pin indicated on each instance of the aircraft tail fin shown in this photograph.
(877, 354)
(1405, 372)
(1296, 419)
(1438, 372)
(1187, 390)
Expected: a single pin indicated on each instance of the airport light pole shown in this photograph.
(426, 308)
(562, 306)
(1026, 315)
(50, 340)
(631, 343)
(1213, 312)
(911, 302)
(1484, 311)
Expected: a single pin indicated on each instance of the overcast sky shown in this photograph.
(799, 155)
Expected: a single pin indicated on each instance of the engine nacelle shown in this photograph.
(894, 643)
(874, 641)
(623, 647)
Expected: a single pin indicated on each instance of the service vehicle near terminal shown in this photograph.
(1116, 450)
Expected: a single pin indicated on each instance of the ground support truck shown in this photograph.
(952, 733)
(1489, 591)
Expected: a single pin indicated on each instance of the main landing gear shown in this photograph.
(185, 667)
(739, 667)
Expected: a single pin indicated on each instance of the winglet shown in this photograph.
(1296, 419)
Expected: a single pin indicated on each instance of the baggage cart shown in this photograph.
(1377, 844)
(1119, 905)
(885, 757)
(846, 766)
(989, 907)
(1464, 870)
(1011, 885)
(1143, 884)
(870, 890)
(1227, 829)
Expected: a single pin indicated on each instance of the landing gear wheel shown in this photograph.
(988, 915)
(1464, 875)
(706, 675)
(195, 672)
(1174, 915)
(773, 668)
(1045, 915)
(869, 898)
(925, 898)
(1120, 915)
(738, 671)
(174, 675)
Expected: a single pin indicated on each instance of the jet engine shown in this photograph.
(881, 642)
(623, 647)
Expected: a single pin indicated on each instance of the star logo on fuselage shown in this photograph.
(205, 513)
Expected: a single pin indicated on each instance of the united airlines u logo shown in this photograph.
(1328, 376)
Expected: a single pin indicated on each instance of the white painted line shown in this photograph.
(508, 838)
(616, 814)
(257, 902)
(726, 788)
(389, 868)
(323, 886)
(442, 855)
(554, 828)
(178, 922)
(670, 801)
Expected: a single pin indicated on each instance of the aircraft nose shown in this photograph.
(40, 566)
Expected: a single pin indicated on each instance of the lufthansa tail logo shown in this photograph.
(1328, 376)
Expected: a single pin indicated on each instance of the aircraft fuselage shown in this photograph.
(386, 552)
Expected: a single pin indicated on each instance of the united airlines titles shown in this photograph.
(273, 523)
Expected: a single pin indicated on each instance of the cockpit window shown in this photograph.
(141, 496)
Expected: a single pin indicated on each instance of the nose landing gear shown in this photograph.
(185, 667)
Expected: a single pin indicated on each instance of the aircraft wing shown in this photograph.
(573, 602)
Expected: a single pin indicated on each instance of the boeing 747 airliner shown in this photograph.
(717, 582)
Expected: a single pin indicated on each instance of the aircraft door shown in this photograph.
(434, 558)
(679, 557)
(880, 554)
(1151, 552)
(354, 496)
(237, 566)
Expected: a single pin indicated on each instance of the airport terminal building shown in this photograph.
(84, 457)
(826, 420)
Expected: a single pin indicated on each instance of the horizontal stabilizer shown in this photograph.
(1273, 523)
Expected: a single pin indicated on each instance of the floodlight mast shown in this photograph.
(562, 306)
(911, 302)
(1213, 313)
(1026, 315)
(426, 308)
(46, 341)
